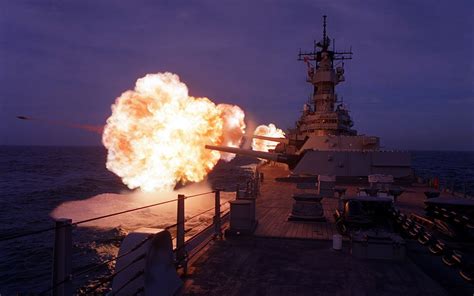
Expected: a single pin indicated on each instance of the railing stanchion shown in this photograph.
(257, 185)
(62, 264)
(217, 213)
(180, 251)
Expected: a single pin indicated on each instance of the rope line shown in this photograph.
(13, 236)
(55, 285)
(192, 217)
(19, 235)
(137, 275)
(199, 249)
(199, 194)
(142, 256)
(139, 291)
(104, 280)
(136, 247)
(197, 215)
(124, 212)
(96, 286)
(110, 277)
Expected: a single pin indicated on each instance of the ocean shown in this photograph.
(73, 181)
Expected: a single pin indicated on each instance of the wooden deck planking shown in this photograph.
(314, 233)
(273, 207)
(275, 204)
(273, 226)
(265, 222)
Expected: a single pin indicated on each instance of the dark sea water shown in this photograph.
(452, 168)
(36, 180)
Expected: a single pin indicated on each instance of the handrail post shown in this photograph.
(257, 185)
(217, 213)
(62, 264)
(180, 251)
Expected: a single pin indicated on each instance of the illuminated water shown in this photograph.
(36, 180)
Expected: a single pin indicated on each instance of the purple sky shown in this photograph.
(410, 82)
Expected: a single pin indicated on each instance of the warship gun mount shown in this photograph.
(323, 142)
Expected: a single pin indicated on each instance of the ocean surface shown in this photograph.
(37, 182)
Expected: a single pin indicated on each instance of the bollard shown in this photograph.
(217, 213)
(337, 242)
(180, 251)
(62, 262)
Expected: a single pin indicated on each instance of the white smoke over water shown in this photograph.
(269, 131)
(159, 216)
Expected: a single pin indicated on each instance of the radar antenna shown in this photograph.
(324, 44)
(324, 29)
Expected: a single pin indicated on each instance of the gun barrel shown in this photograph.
(290, 159)
(259, 154)
(279, 140)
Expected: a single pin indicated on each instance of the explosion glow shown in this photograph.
(156, 134)
(269, 131)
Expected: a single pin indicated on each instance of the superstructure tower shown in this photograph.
(323, 141)
(324, 114)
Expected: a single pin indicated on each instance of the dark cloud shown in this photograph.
(410, 81)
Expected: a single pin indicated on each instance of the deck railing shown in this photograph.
(62, 262)
(457, 188)
(62, 274)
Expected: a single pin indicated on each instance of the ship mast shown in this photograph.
(324, 78)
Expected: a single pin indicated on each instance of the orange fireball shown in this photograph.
(156, 134)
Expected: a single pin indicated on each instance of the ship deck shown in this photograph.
(266, 266)
(274, 205)
(296, 258)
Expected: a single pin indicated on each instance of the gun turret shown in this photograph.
(290, 160)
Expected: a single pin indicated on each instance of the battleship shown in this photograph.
(327, 212)
(323, 141)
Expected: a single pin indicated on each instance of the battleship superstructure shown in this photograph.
(321, 116)
(323, 141)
